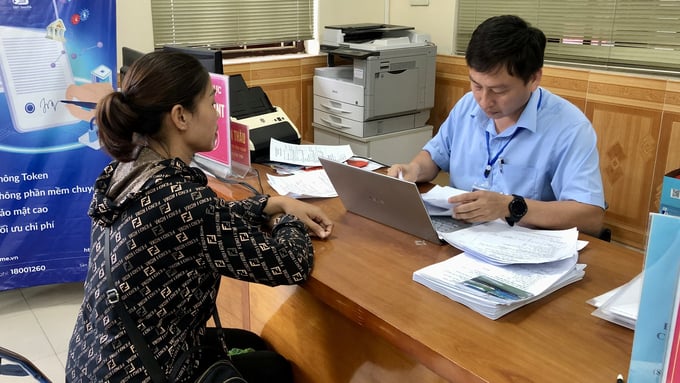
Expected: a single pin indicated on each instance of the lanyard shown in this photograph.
(491, 161)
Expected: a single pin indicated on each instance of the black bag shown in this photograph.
(220, 371)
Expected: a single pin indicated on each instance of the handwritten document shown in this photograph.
(307, 155)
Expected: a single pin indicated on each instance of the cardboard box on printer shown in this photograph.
(670, 194)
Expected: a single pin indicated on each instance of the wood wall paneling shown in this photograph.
(668, 155)
(571, 84)
(307, 87)
(452, 82)
(627, 144)
(242, 69)
(280, 80)
(626, 114)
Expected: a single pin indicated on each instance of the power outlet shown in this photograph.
(420, 2)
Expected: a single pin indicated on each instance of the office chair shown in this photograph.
(20, 366)
(605, 233)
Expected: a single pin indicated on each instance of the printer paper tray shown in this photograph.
(364, 128)
(341, 109)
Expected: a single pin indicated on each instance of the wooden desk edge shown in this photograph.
(359, 315)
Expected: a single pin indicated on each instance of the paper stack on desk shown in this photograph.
(504, 268)
(620, 305)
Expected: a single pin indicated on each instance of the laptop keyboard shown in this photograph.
(444, 224)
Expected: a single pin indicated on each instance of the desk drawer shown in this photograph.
(338, 108)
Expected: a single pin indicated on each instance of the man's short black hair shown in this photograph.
(506, 41)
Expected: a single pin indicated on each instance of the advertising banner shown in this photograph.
(57, 58)
(654, 326)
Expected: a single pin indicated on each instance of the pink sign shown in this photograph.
(240, 147)
(222, 153)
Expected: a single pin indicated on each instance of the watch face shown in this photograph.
(518, 207)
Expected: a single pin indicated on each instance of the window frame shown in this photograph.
(622, 35)
(237, 27)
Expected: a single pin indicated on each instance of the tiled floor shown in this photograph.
(37, 322)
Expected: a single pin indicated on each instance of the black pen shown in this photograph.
(619, 379)
(82, 104)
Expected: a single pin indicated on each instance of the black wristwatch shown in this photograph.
(518, 208)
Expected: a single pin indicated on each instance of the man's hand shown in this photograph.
(480, 206)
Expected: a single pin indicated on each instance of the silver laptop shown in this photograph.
(388, 200)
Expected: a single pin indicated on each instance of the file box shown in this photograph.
(670, 194)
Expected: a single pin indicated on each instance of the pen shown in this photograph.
(400, 175)
(619, 379)
(82, 104)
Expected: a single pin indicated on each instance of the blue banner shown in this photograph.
(657, 299)
(54, 54)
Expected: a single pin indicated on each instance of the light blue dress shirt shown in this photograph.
(551, 154)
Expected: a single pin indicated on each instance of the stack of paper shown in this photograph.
(621, 304)
(503, 268)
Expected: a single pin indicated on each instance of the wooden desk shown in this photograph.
(361, 318)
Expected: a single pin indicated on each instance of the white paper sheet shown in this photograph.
(437, 200)
(498, 243)
(306, 184)
(307, 155)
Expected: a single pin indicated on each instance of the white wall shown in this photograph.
(134, 28)
(333, 12)
(437, 19)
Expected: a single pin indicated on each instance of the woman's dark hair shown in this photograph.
(154, 84)
(506, 41)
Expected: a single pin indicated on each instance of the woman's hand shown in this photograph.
(312, 216)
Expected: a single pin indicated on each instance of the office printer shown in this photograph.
(388, 88)
(251, 107)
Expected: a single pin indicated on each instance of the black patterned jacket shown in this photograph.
(171, 239)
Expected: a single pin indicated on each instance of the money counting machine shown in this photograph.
(251, 107)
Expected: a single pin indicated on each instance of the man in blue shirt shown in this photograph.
(524, 153)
